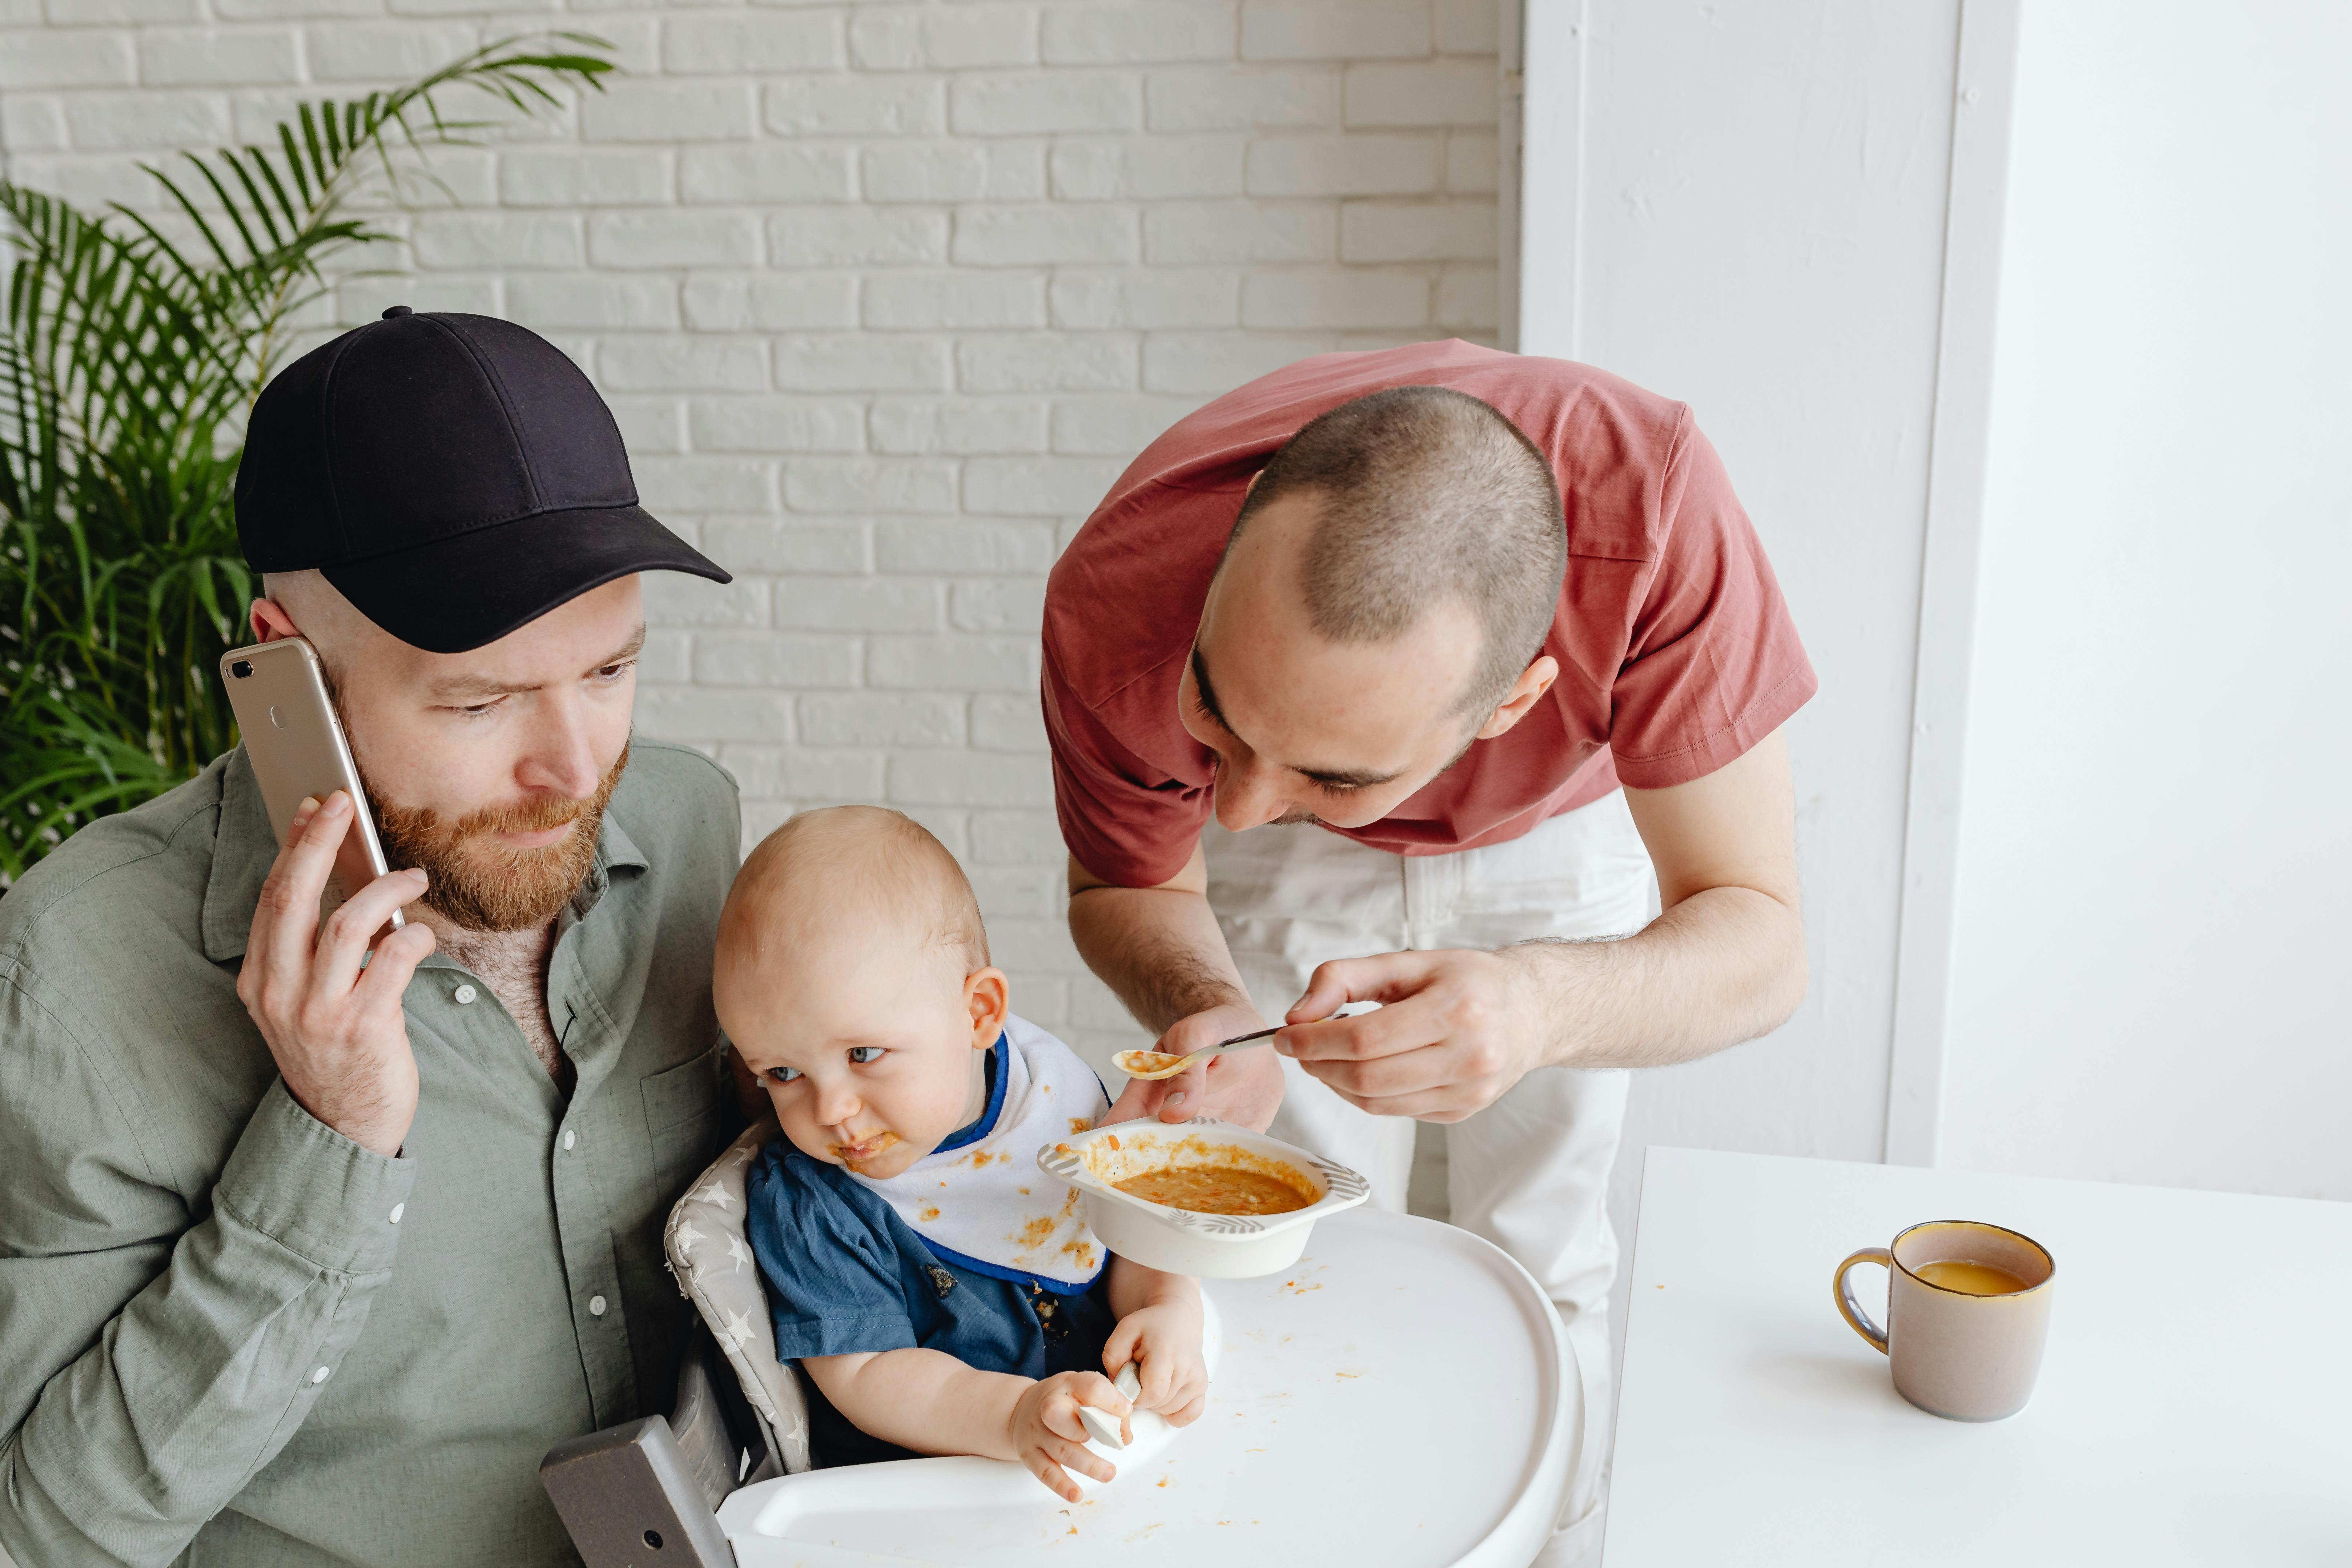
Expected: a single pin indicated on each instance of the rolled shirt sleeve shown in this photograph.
(1125, 821)
(153, 1365)
(1713, 664)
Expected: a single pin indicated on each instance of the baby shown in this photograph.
(943, 1295)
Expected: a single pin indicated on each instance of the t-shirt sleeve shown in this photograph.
(834, 1283)
(1713, 665)
(1122, 819)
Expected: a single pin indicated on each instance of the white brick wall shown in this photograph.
(884, 297)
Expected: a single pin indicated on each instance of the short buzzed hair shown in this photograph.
(1422, 495)
(823, 865)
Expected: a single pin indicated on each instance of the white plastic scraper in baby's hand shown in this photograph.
(1102, 1423)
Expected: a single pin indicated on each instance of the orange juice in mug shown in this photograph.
(1968, 1307)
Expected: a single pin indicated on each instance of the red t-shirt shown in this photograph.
(1676, 651)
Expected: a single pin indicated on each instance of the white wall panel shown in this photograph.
(1761, 232)
(2148, 969)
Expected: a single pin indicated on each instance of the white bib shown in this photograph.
(985, 1204)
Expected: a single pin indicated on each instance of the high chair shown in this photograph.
(1403, 1395)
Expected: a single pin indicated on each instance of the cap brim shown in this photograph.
(472, 589)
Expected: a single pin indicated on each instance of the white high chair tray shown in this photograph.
(1403, 1395)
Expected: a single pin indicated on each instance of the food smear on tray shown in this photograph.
(1217, 1189)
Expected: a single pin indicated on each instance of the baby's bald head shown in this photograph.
(853, 978)
(862, 869)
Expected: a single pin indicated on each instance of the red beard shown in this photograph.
(481, 884)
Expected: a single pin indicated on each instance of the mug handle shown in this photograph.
(1850, 1309)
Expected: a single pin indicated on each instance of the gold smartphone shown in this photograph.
(296, 748)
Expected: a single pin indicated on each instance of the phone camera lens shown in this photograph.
(241, 668)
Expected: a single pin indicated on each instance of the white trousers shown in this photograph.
(1530, 1171)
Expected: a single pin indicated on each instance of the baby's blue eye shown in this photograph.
(783, 1074)
(866, 1053)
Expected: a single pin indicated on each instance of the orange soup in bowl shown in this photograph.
(1217, 1189)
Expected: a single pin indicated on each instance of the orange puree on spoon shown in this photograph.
(1148, 1064)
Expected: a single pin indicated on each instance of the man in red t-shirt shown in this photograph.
(1434, 636)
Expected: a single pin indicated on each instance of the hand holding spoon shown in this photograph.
(1152, 1066)
(1102, 1426)
(1156, 1064)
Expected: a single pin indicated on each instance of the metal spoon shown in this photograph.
(1155, 1065)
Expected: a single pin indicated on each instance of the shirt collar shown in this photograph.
(244, 847)
(615, 850)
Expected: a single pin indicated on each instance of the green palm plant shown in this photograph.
(129, 359)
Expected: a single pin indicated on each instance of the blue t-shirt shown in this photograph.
(845, 1274)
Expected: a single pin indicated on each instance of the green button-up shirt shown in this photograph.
(230, 1335)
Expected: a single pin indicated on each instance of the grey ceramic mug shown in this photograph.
(1956, 1353)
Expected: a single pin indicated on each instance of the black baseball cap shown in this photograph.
(454, 476)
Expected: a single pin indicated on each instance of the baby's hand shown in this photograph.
(1048, 1435)
(1164, 1341)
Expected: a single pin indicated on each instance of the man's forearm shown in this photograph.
(1159, 949)
(1724, 965)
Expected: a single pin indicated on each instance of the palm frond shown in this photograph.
(275, 211)
(130, 348)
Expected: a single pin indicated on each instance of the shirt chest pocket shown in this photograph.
(681, 1122)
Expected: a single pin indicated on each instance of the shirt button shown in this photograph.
(397, 1210)
(465, 993)
(569, 1138)
(595, 1309)
(319, 1374)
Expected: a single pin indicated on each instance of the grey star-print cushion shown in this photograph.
(712, 1261)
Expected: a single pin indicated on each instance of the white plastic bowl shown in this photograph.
(1178, 1241)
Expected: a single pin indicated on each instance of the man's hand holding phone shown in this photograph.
(336, 1028)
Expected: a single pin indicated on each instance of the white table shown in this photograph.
(1398, 1398)
(2195, 1405)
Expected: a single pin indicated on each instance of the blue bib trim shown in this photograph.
(973, 1132)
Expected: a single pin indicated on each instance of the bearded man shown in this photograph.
(308, 1260)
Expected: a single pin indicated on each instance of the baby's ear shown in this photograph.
(988, 996)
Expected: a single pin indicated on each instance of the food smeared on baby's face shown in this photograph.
(1217, 1189)
(855, 1154)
